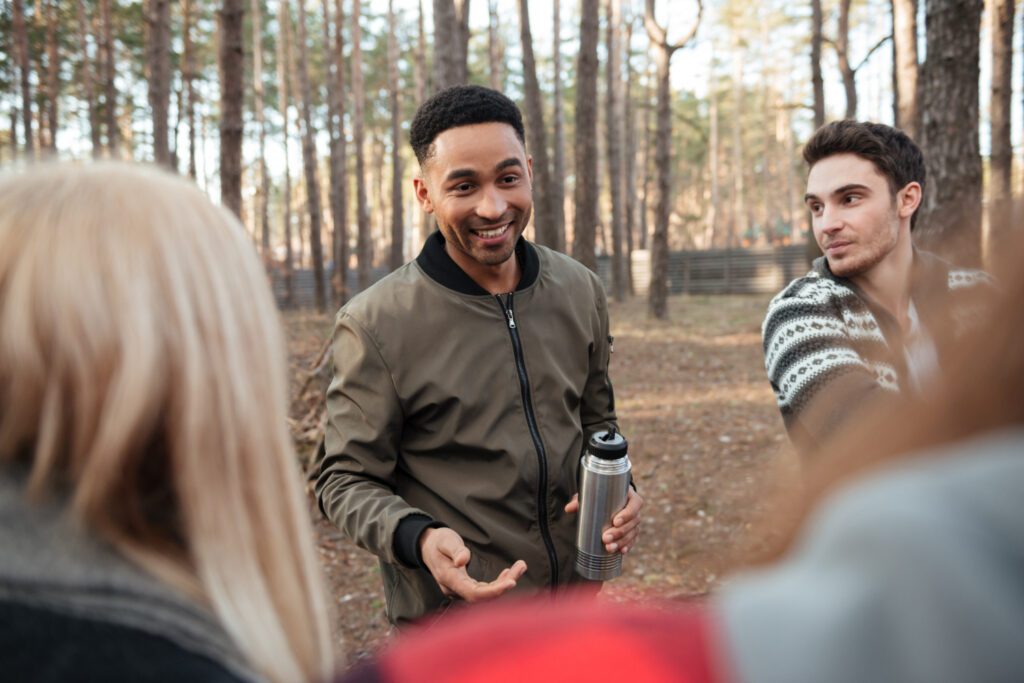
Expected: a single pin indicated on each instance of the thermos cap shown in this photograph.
(607, 445)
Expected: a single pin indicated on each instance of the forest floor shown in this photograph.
(708, 449)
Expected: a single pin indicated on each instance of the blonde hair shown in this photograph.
(142, 371)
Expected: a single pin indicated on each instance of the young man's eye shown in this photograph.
(510, 179)
(462, 187)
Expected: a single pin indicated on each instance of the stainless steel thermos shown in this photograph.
(604, 485)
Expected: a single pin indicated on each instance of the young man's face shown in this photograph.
(478, 185)
(856, 220)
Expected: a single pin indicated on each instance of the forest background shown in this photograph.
(653, 125)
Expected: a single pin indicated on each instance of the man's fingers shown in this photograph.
(471, 590)
(573, 505)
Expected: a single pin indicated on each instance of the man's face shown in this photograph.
(856, 220)
(478, 185)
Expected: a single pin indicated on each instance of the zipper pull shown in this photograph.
(511, 320)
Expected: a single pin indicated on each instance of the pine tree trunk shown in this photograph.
(950, 220)
(613, 126)
(21, 50)
(446, 50)
(558, 143)
(364, 246)
(713, 216)
(110, 88)
(904, 34)
(818, 84)
(629, 155)
(188, 74)
(738, 225)
(158, 56)
(586, 197)
(543, 222)
(843, 56)
(397, 223)
(339, 152)
(420, 71)
(648, 115)
(88, 82)
(52, 73)
(284, 56)
(309, 164)
(257, 90)
(494, 50)
(461, 72)
(1000, 208)
(232, 75)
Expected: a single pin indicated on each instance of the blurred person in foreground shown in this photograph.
(152, 524)
(861, 325)
(467, 382)
(904, 563)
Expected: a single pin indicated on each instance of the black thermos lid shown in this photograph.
(609, 445)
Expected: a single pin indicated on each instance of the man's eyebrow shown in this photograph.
(459, 173)
(511, 161)
(839, 190)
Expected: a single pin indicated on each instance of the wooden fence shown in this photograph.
(716, 271)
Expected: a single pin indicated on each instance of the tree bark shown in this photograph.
(558, 143)
(52, 73)
(495, 49)
(420, 72)
(338, 195)
(461, 72)
(713, 218)
(188, 73)
(158, 56)
(446, 49)
(738, 225)
(629, 155)
(818, 84)
(110, 88)
(88, 82)
(1001, 145)
(543, 221)
(397, 222)
(232, 74)
(950, 224)
(614, 123)
(843, 56)
(904, 35)
(586, 195)
(309, 164)
(657, 303)
(263, 182)
(284, 56)
(364, 241)
(21, 50)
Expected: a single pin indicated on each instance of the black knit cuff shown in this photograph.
(406, 543)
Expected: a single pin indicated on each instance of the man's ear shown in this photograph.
(908, 199)
(422, 193)
(529, 168)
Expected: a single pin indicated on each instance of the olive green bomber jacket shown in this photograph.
(468, 409)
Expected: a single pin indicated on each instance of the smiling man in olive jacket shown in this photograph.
(467, 381)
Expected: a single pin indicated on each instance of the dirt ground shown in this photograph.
(706, 442)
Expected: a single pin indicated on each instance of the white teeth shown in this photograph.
(488, 234)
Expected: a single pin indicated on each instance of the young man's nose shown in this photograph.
(830, 219)
(492, 204)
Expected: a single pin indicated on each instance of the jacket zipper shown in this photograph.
(531, 423)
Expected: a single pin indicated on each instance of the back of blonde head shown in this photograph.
(142, 372)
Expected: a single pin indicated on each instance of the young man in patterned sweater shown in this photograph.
(864, 322)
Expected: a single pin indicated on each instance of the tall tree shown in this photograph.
(52, 74)
(904, 39)
(309, 164)
(447, 54)
(420, 74)
(338, 196)
(263, 182)
(614, 124)
(158, 58)
(811, 250)
(397, 224)
(188, 74)
(88, 83)
(284, 56)
(586, 191)
(109, 87)
(846, 68)
(364, 241)
(495, 51)
(738, 225)
(657, 305)
(629, 151)
(232, 73)
(950, 223)
(712, 216)
(543, 221)
(558, 143)
(462, 41)
(21, 50)
(1001, 162)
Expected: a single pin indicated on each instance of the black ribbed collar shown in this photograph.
(436, 263)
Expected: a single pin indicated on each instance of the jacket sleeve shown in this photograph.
(597, 407)
(816, 367)
(356, 482)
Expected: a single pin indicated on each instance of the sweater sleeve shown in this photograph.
(357, 478)
(823, 364)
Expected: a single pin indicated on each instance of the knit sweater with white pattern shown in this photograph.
(830, 349)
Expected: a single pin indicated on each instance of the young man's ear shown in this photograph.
(422, 193)
(908, 199)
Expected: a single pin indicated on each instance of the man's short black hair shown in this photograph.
(893, 153)
(461, 105)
